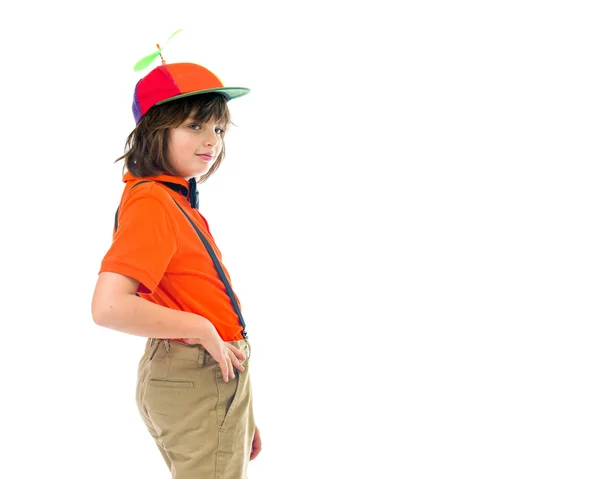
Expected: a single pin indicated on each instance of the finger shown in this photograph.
(236, 362)
(231, 368)
(238, 354)
(256, 448)
(224, 370)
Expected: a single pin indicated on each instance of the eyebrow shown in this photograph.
(219, 123)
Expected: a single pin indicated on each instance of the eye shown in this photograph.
(195, 126)
(220, 131)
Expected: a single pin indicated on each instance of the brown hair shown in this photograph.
(147, 146)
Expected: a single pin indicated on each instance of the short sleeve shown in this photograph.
(144, 242)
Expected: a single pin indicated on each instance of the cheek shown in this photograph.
(180, 147)
(185, 143)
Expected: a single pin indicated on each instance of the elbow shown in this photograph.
(102, 312)
(111, 299)
(98, 315)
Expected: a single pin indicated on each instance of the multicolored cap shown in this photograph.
(169, 82)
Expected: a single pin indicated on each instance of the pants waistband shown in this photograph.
(166, 348)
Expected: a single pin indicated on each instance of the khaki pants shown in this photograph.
(202, 425)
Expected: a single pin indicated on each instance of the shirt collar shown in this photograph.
(187, 189)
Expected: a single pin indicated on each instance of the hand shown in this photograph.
(256, 444)
(227, 355)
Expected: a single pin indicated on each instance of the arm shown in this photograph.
(115, 306)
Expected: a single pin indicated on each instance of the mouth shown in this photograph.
(205, 157)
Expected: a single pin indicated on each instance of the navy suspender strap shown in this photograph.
(219, 269)
(213, 256)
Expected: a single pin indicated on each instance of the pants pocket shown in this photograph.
(170, 386)
(176, 384)
(227, 393)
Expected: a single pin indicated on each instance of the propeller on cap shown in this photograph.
(148, 59)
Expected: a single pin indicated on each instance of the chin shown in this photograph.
(197, 174)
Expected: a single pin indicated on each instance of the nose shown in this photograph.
(210, 138)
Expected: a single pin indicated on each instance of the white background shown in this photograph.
(408, 210)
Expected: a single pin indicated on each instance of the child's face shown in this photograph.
(193, 148)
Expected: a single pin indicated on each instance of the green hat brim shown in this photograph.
(229, 92)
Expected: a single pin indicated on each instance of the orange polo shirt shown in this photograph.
(155, 244)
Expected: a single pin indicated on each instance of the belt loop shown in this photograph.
(201, 353)
(154, 343)
(168, 345)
